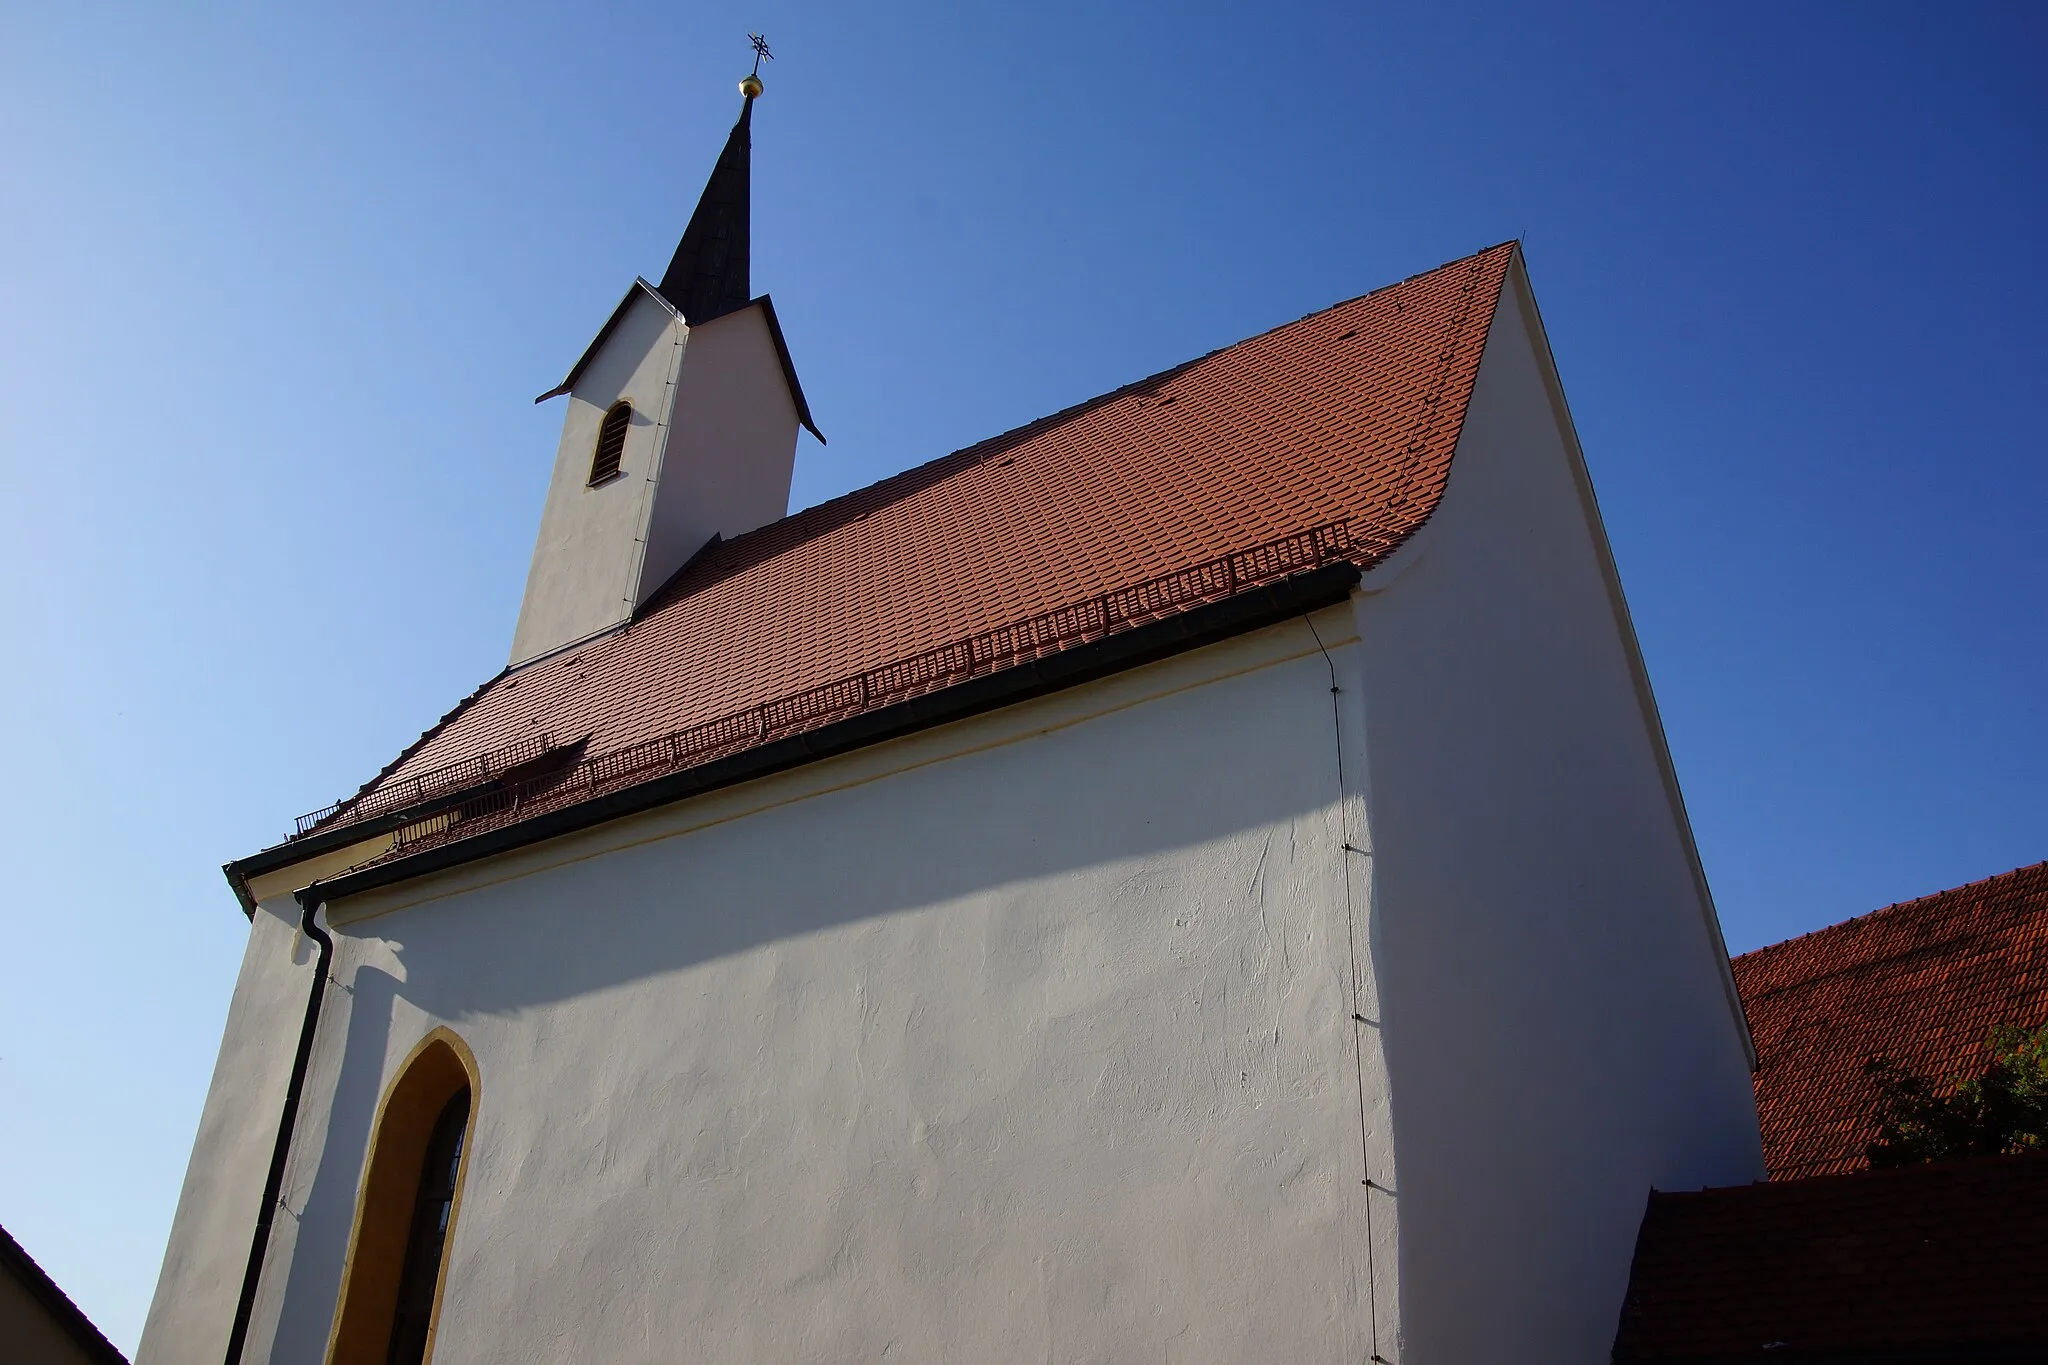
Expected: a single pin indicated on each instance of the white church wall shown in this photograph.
(201, 1279)
(1560, 1032)
(727, 466)
(586, 557)
(1029, 1037)
(1033, 1035)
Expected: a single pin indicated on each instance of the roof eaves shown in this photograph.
(977, 453)
(618, 315)
(240, 870)
(1204, 625)
(767, 305)
(796, 390)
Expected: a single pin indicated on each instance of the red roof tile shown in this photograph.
(1922, 983)
(1938, 1262)
(1350, 415)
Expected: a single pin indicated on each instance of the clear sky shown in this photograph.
(279, 282)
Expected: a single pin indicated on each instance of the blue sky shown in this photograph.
(280, 283)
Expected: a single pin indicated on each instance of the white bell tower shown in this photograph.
(682, 425)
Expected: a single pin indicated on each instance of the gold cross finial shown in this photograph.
(751, 86)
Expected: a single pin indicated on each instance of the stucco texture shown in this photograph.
(710, 451)
(587, 554)
(196, 1290)
(1041, 1050)
(1200, 1013)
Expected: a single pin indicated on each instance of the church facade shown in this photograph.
(1196, 878)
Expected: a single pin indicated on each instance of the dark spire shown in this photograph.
(708, 276)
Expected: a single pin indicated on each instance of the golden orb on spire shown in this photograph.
(751, 85)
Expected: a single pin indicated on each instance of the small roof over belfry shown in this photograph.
(708, 277)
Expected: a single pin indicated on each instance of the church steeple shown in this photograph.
(707, 277)
(681, 426)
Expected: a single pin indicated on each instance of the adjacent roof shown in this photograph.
(1941, 1262)
(66, 1316)
(1346, 418)
(1922, 983)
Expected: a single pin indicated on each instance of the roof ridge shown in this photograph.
(1291, 426)
(1867, 915)
(1431, 414)
(985, 446)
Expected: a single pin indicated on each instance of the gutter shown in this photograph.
(1204, 625)
(241, 870)
(310, 901)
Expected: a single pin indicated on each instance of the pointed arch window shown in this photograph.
(611, 442)
(406, 1209)
(432, 1208)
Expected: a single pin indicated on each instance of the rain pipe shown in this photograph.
(310, 900)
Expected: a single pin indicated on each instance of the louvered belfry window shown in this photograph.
(611, 441)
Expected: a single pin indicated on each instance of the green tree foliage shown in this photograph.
(2002, 1109)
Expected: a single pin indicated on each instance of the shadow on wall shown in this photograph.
(1128, 789)
(1116, 918)
(328, 1199)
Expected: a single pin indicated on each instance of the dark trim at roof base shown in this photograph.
(313, 846)
(1204, 625)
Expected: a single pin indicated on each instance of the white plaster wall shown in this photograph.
(586, 558)
(201, 1280)
(1558, 1029)
(731, 448)
(1033, 1037)
(1028, 1038)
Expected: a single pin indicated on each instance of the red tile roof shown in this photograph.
(1349, 415)
(1922, 983)
(1942, 1262)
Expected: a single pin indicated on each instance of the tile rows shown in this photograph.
(1350, 414)
(1922, 983)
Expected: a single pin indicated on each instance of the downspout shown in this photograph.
(310, 900)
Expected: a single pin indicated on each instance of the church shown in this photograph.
(1195, 878)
